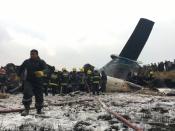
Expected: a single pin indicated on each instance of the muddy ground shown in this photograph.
(151, 112)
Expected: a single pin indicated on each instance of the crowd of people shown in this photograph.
(35, 78)
(145, 75)
(86, 79)
(161, 66)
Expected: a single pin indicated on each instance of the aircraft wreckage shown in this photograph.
(126, 62)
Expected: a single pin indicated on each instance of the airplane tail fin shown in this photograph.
(137, 40)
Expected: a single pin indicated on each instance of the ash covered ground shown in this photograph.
(153, 113)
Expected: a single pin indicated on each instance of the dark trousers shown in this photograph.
(54, 89)
(45, 85)
(82, 87)
(95, 89)
(33, 89)
(88, 87)
(74, 87)
(64, 89)
(103, 86)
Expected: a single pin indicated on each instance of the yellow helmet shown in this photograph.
(74, 69)
(63, 69)
(81, 69)
(39, 74)
(89, 72)
(151, 72)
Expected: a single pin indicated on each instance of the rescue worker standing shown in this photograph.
(73, 77)
(82, 80)
(36, 68)
(3, 80)
(47, 78)
(103, 81)
(53, 83)
(96, 82)
(89, 78)
(64, 81)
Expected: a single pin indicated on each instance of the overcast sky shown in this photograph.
(71, 33)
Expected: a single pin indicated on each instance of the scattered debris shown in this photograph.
(167, 91)
(4, 95)
(119, 117)
(150, 112)
(51, 104)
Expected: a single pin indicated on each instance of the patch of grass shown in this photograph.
(165, 75)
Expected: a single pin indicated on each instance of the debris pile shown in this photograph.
(146, 111)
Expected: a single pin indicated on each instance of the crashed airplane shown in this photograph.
(126, 62)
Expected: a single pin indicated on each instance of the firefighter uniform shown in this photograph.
(82, 80)
(95, 82)
(33, 84)
(46, 79)
(53, 83)
(64, 81)
(89, 80)
(3, 80)
(73, 78)
(103, 81)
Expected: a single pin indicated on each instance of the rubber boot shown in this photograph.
(25, 112)
(39, 111)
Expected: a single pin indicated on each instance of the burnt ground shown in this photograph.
(151, 112)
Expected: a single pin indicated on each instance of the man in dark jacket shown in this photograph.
(36, 68)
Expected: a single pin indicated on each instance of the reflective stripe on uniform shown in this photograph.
(53, 84)
(64, 84)
(96, 77)
(54, 76)
(45, 84)
(96, 82)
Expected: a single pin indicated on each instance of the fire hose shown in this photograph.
(118, 116)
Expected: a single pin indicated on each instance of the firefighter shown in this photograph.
(36, 68)
(73, 77)
(53, 83)
(10, 68)
(150, 79)
(82, 80)
(3, 80)
(47, 78)
(95, 82)
(89, 81)
(103, 81)
(13, 84)
(59, 73)
(64, 81)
